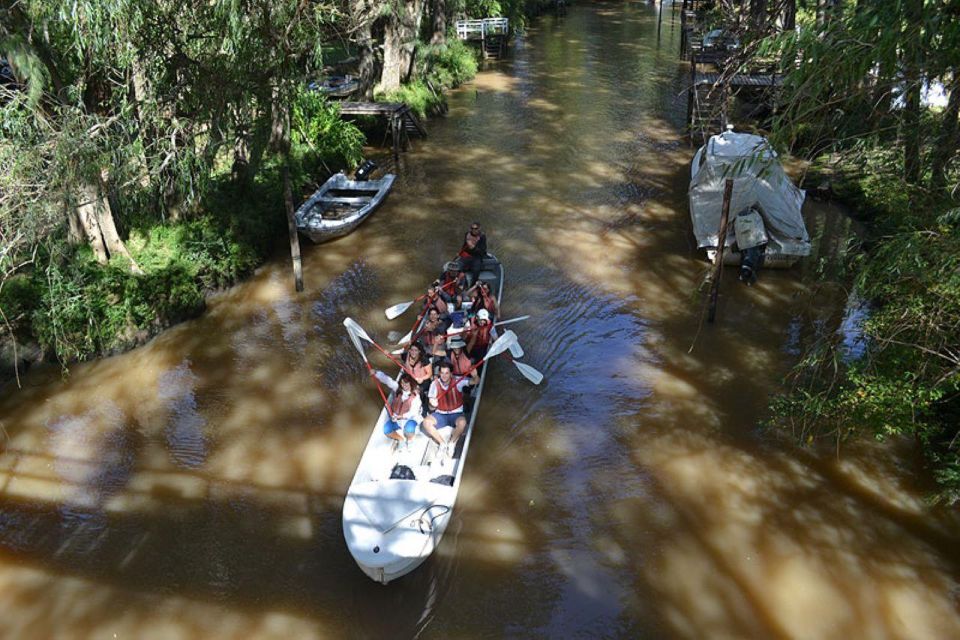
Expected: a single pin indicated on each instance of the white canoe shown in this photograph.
(400, 502)
(340, 205)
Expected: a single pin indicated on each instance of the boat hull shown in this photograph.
(352, 201)
(401, 501)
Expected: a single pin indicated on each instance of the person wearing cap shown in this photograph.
(445, 399)
(452, 273)
(460, 363)
(481, 335)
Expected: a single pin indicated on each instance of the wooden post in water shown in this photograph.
(659, 20)
(718, 258)
(292, 227)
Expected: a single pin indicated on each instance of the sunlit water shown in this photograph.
(192, 488)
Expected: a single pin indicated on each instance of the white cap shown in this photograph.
(483, 314)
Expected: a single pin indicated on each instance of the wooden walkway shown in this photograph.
(740, 79)
(491, 33)
(402, 122)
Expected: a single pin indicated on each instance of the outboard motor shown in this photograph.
(752, 243)
(751, 260)
(364, 170)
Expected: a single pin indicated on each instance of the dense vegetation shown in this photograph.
(855, 77)
(149, 151)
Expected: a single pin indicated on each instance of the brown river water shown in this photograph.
(192, 488)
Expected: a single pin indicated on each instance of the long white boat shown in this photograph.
(400, 502)
(340, 205)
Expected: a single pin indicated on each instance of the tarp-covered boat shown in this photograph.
(340, 205)
(400, 502)
(760, 187)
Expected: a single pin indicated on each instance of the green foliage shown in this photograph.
(908, 380)
(448, 65)
(417, 95)
(316, 124)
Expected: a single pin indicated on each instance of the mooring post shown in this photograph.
(721, 240)
(659, 20)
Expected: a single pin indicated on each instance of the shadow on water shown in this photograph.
(196, 484)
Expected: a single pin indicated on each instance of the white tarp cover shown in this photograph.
(759, 181)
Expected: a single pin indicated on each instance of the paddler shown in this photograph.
(405, 408)
(474, 250)
(480, 335)
(446, 407)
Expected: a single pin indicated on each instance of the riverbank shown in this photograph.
(905, 381)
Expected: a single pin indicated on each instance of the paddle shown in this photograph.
(399, 309)
(355, 339)
(405, 339)
(357, 332)
(453, 332)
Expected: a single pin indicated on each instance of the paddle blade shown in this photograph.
(406, 338)
(511, 320)
(529, 372)
(516, 350)
(356, 329)
(397, 310)
(503, 343)
(353, 337)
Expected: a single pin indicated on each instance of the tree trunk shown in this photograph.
(94, 218)
(362, 16)
(392, 60)
(399, 42)
(910, 134)
(789, 15)
(438, 22)
(946, 144)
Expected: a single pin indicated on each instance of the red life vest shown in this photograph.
(460, 364)
(449, 398)
(459, 278)
(400, 407)
(483, 335)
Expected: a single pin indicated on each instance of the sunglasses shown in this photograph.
(474, 228)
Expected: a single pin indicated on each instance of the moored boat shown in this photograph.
(400, 501)
(761, 192)
(340, 205)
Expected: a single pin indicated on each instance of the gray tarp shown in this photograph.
(759, 181)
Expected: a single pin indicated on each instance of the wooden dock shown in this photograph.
(401, 120)
(491, 33)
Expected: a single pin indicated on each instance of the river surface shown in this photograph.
(192, 488)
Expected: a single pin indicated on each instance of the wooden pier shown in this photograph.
(401, 121)
(491, 33)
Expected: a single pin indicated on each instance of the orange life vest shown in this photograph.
(460, 364)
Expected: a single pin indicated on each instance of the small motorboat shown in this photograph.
(340, 205)
(400, 501)
(336, 86)
(765, 207)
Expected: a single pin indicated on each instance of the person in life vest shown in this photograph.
(405, 410)
(481, 298)
(481, 335)
(415, 361)
(446, 405)
(434, 299)
(474, 250)
(434, 335)
(460, 363)
(452, 281)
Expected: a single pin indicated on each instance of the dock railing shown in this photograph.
(480, 28)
